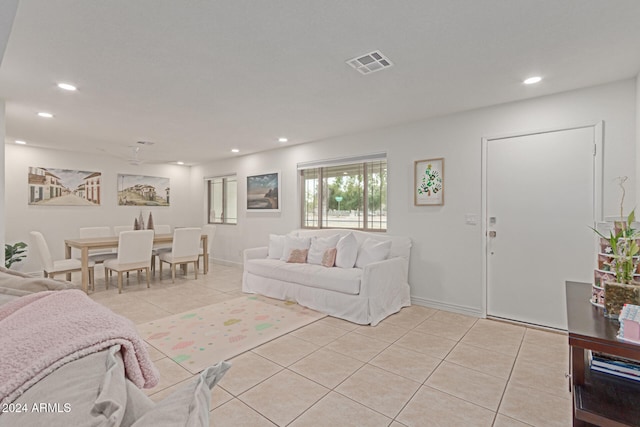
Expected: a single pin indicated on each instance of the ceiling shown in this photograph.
(199, 78)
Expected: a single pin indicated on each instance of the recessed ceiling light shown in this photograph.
(180, 163)
(532, 80)
(235, 150)
(20, 142)
(282, 140)
(46, 115)
(67, 86)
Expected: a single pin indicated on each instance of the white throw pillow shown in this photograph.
(319, 246)
(347, 251)
(372, 251)
(276, 246)
(291, 243)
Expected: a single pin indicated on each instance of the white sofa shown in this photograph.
(360, 295)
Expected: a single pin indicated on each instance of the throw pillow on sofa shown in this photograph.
(329, 257)
(291, 243)
(276, 246)
(347, 251)
(319, 245)
(298, 256)
(372, 251)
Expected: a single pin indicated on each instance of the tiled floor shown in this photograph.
(419, 367)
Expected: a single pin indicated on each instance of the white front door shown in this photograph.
(540, 203)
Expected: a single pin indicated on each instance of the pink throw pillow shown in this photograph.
(329, 257)
(298, 256)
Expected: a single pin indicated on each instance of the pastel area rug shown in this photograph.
(204, 336)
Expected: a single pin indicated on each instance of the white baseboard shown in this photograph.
(460, 309)
(225, 262)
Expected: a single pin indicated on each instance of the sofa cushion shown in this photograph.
(319, 246)
(298, 256)
(347, 251)
(372, 251)
(291, 243)
(276, 246)
(329, 257)
(316, 276)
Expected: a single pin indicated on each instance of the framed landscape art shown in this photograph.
(263, 192)
(64, 187)
(140, 190)
(428, 185)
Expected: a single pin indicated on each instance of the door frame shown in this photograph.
(598, 184)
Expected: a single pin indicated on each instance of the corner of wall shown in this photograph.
(637, 142)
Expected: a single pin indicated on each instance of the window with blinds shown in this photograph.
(223, 200)
(337, 194)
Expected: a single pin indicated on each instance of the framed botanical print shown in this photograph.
(428, 185)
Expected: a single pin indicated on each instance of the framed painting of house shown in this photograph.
(141, 190)
(63, 187)
(263, 192)
(428, 185)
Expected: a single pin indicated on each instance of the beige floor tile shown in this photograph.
(286, 350)
(426, 343)
(504, 421)
(452, 331)
(410, 317)
(336, 410)
(545, 378)
(283, 397)
(535, 407)
(407, 363)
(473, 386)
(552, 356)
(383, 332)
(479, 359)
(339, 323)
(499, 337)
(246, 371)
(154, 353)
(546, 338)
(431, 407)
(396, 424)
(497, 327)
(379, 390)
(319, 333)
(357, 346)
(170, 373)
(454, 318)
(326, 367)
(235, 414)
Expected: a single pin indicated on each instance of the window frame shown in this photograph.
(320, 172)
(225, 202)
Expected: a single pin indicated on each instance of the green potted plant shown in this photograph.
(623, 241)
(14, 253)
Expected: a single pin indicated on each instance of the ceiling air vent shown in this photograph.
(370, 63)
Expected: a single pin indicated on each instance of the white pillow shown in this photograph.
(291, 243)
(276, 246)
(372, 251)
(347, 251)
(319, 245)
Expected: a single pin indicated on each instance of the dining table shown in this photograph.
(86, 244)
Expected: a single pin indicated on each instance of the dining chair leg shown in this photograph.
(173, 273)
(119, 282)
(107, 278)
(195, 267)
(148, 272)
(161, 269)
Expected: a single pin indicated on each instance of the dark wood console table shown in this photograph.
(598, 398)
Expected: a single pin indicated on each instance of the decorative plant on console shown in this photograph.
(14, 253)
(624, 258)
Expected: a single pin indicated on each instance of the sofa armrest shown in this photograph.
(255, 253)
(382, 277)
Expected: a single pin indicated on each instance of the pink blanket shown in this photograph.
(43, 331)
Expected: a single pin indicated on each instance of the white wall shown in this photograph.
(2, 178)
(637, 135)
(60, 222)
(446, 260)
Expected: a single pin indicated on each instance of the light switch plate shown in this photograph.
(471, 219)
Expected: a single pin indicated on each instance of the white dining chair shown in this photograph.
(163, 247)
(53, 267)
(98, 255)
(134, 254)
(184, 250)
(210, 231)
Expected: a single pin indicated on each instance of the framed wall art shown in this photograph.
(140, 190)
(64, 187)
(428, 186)
(263, 192)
